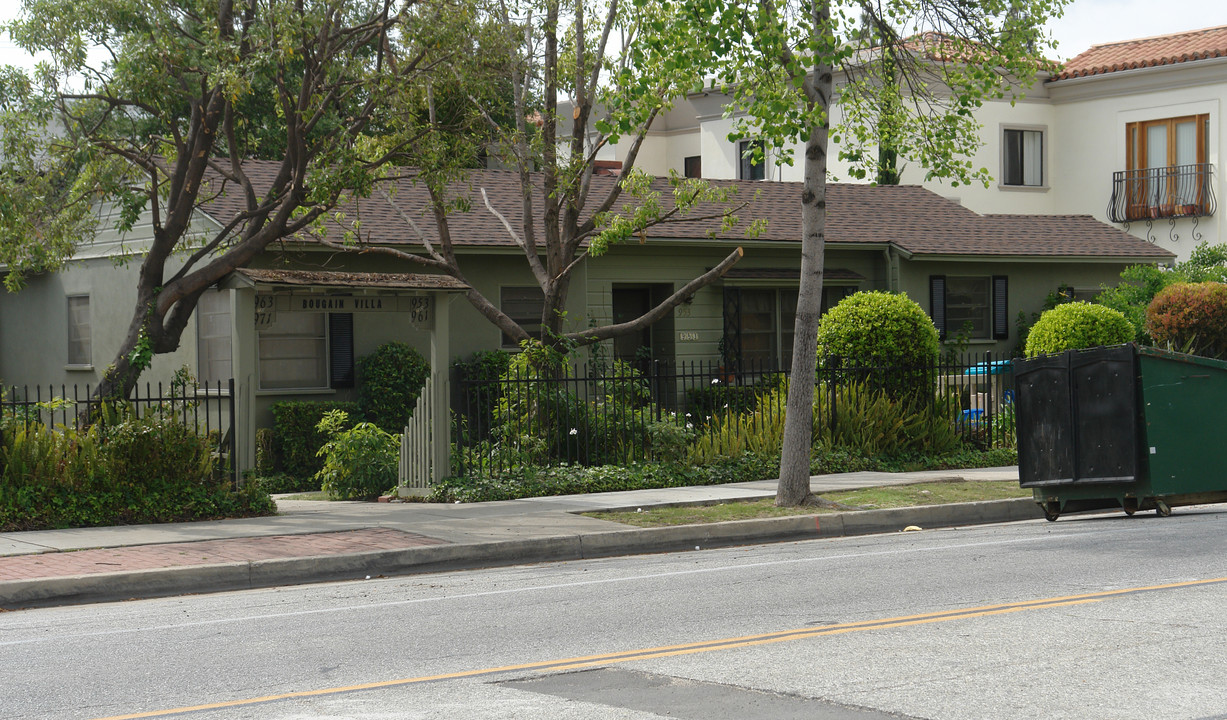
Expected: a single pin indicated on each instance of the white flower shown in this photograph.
(574, 431)
(689, 426)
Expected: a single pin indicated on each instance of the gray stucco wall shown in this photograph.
(34, 326)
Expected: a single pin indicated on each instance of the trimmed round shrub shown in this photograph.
(1075, 326)
(885, 331)
(878, 326)
(390, 381)
(1190, 317)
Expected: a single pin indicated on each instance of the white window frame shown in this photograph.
(262, 362)
(211, 303)
(1043, 159)
(83, 357)
(953, 326)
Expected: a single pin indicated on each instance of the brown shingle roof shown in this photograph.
(910, 217)
(386, 281)
(1147, 52)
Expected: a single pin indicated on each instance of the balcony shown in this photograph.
(1165, 192)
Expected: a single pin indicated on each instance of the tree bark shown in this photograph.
(794, 487)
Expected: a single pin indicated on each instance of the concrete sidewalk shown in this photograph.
(316, 541)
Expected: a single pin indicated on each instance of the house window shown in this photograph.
(1166, 172)
(759, 325)
(753, 157)
(692, 167)
(294, 352)
(80, 351)
(974, 305)
(1023, 158)
(833, 294)
(524, 305)
(1166, 143)
(213, 347)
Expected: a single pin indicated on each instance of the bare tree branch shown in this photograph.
(592, 335)
(534, 262)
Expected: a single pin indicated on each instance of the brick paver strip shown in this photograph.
(205, 552)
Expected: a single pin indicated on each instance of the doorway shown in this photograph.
(651, 343)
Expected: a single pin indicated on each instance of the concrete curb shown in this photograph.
(222, 577)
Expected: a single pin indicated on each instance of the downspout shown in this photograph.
(892, 268)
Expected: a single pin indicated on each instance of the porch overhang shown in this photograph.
(335, 281)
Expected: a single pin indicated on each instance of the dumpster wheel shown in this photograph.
(1162, 509)
(1130, 504)
(1052, 510)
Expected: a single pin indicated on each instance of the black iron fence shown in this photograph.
(602, 414)
(209, 408)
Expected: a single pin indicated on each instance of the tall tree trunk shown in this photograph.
(794, 487)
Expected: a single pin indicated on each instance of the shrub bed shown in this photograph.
(298, 441)
(146, 470)
(574, 479)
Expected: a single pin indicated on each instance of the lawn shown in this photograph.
(931, 493)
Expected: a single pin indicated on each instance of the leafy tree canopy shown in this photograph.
(918, 68)
(182, 93)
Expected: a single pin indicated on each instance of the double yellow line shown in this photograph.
(692, 648)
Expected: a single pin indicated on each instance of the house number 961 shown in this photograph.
(419, 309)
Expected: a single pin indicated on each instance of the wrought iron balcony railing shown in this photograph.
(1164, 192)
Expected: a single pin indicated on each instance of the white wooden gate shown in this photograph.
(418, 457)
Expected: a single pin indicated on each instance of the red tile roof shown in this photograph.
(1147, 52)
(916, 220)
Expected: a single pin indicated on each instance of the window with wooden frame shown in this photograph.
(1166, 171)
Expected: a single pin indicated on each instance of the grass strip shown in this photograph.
(874, 498)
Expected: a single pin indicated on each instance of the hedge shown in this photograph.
(295, 437)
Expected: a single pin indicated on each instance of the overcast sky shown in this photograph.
(1086, 23)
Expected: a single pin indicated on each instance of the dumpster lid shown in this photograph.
(1183, 357)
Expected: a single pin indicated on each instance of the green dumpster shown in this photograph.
(1131, 427)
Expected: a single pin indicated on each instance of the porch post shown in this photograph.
(244, 351)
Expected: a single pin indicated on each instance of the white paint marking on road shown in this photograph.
(540, 588)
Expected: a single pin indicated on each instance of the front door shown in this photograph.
(628, 304)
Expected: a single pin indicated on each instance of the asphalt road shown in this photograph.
(1105, 617)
